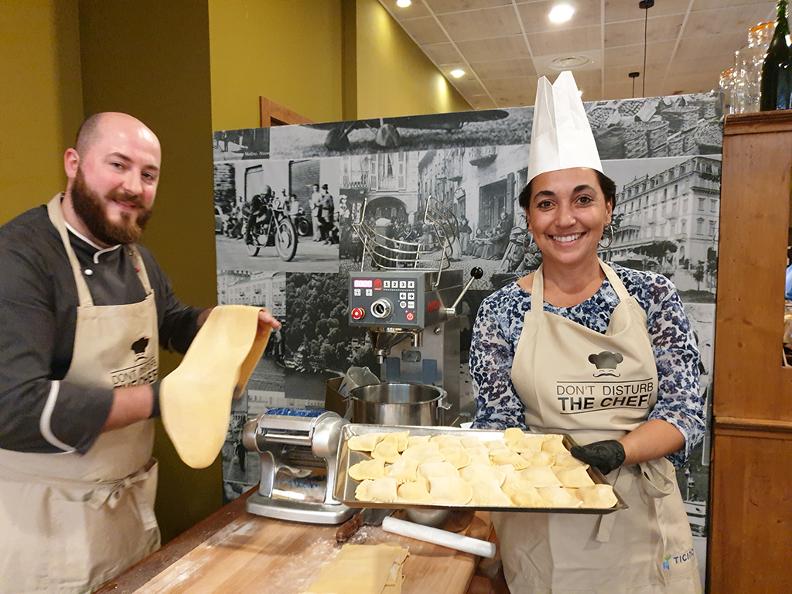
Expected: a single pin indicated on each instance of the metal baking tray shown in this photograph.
(345, 486)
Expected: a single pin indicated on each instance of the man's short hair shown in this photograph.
(88, 133)
(324, 186)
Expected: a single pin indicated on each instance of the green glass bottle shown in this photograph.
(776, 90)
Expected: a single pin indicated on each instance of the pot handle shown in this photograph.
(348, 412)
(442, 406)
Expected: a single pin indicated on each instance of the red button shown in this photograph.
(377, 283)
(358, 313)
(410, 316)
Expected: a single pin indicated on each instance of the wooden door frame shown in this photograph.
(275, 114)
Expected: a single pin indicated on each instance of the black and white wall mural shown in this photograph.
(286, 199)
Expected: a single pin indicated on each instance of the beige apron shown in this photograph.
(593, 386)
(69, 521)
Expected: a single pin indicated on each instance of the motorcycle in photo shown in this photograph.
(272, 227)
(302, 222)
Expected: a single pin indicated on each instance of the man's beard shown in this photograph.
(91, 208)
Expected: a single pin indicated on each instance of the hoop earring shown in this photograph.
(610, 239)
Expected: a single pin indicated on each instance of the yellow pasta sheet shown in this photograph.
(362, 569)
(195, 398)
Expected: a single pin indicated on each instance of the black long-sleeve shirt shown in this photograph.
(38, 314)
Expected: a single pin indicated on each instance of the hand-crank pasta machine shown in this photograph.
(302, 443)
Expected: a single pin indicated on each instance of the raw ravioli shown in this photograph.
(387, 450)
(600, 496)
(437, 470)
(574, 477)
(488, 494)
(450, 490)
(414, 492)
(364, 443)
(559, 497)
(381, 490)
(403, 470)
(367, 469)
(539, 476)
(483, 472)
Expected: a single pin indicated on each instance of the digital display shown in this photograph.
(362, 283)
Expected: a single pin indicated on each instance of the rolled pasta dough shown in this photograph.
(195, 398)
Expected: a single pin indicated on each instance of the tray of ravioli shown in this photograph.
(439, 467)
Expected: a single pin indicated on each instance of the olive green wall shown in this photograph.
(327, 60)
(124, 70)
(286, 50)
(394, 77)
(63, 59)
(40, 99)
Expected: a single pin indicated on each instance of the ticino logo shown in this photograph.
(669, 560)
(606, 363)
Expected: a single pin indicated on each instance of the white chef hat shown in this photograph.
(561, 137)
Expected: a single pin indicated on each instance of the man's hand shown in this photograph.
(265, 318)
(130, 405)
(605, 456)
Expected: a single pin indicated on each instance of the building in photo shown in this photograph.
(259, 289)
(386, 181)
(668, 222)
(479, 183)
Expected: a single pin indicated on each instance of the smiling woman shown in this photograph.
(549, 331)
(567, 212)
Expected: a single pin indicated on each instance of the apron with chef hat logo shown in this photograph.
(593, 387)
(71, 522)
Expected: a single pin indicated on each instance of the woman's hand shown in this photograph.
(605, 456)
(649, 441)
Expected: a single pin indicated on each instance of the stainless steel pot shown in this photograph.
(398, 404)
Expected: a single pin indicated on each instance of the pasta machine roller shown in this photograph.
(299, 442)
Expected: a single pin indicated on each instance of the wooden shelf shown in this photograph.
(750, 381)
(750, 509)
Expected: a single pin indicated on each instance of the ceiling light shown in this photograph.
(403, 3)
(457, 73)
(633, 76)
(561, 13)
(569, 62)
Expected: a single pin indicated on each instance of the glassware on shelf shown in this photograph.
(726, 87)
(760, 35)
(746, 73)
(743, 71)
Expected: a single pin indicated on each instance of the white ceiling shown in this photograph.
(503, 45)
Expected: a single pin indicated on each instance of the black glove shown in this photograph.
(155, 409)
(603, 455)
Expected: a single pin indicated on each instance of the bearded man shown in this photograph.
(84, 310)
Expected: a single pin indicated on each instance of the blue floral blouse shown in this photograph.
(499, 323)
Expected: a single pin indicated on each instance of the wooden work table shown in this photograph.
(233, 551)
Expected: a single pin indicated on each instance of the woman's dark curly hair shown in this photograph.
(607, 185)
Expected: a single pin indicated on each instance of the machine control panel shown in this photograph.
(390, 299)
